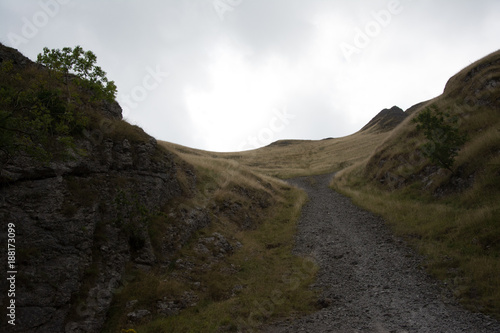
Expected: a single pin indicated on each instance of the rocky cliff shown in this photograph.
(77, 223)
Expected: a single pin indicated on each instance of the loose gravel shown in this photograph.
(370, 281)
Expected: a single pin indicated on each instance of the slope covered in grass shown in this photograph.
(294, 158)
(452, 216)
(236, 273)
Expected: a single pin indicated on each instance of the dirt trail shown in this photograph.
(370, 281)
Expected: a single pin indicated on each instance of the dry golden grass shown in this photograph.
(293, 158)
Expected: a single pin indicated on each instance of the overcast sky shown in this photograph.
(227, 75)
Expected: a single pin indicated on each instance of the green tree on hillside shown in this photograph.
(82, 64)
(42, 111)
(443, 137)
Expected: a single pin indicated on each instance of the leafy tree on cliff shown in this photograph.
(82, 64)
(42, 111)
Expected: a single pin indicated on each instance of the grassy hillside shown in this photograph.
(218, 287)
(451, 216)
(294, 158)
(256, 280)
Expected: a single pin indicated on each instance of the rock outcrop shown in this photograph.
(386, 120)
(79, 222)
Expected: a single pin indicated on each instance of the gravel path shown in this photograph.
(370, 281)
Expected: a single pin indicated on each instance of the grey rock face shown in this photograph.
(79, 222)
(71, 223)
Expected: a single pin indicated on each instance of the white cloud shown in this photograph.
(240, 96)
(227, 76)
